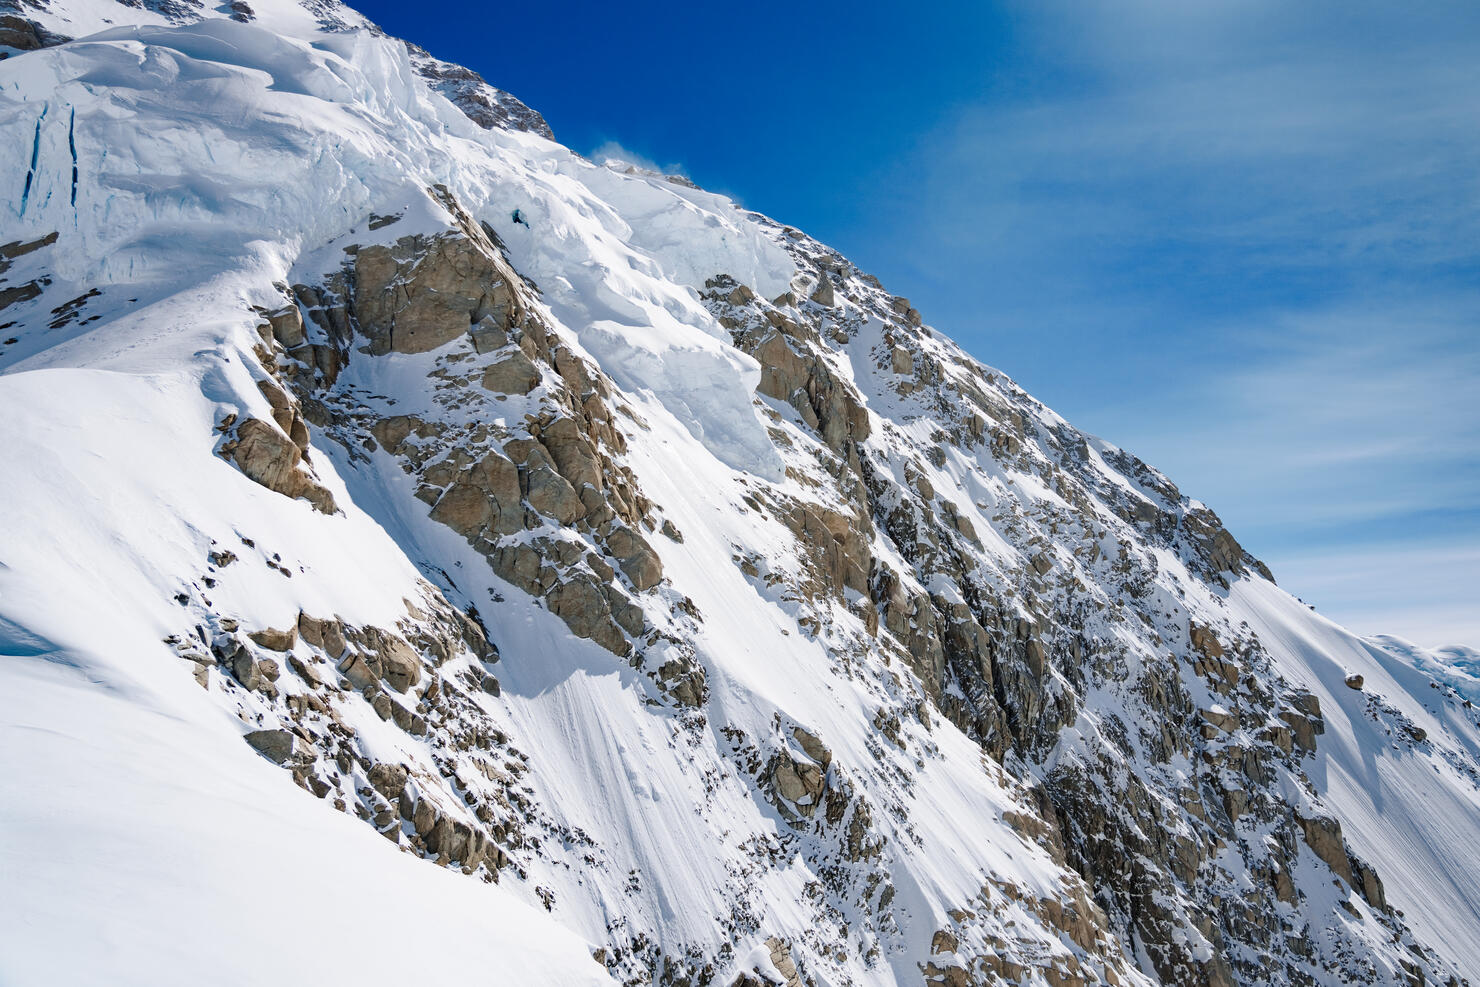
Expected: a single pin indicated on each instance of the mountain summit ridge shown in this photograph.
(580, 532)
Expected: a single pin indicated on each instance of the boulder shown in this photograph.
(515, 374)
(400, 665)
(310, 630)
(353, 667)
(270, 457)
(334, 643)
(287, 326)
(275, 745)
(388, 779)
(246, 670)
(553, 496)
(306, 671)
(636, 557)
(275, 640)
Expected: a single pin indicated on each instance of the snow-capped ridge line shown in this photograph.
(679, 579)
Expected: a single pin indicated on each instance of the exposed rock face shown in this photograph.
(275, 745)
(270, 457)
(887, 562)
(548, 504)
(331, 669)
(636, 557)
(952, 621)
(484, 105)
(1012, 658)
(484, 501)
(24, 34)
(421, 294)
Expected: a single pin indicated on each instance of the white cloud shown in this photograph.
(1427, 593)
(1345, 414)
(1237, 238)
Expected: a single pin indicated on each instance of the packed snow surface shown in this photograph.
(186, 169)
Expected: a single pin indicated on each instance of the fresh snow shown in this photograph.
(215, 159)
(1410, 810)
(146, 844)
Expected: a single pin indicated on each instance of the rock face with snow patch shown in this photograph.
(825, 654)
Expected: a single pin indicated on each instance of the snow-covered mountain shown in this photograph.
(675, 605)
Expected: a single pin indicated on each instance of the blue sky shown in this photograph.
(1241, 239)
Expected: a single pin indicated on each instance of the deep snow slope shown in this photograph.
(671, 601)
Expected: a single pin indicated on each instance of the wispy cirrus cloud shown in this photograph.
(1422, 591)
(1239, 238)
(1346, 452)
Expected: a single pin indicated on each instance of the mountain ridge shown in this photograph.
(666, 527)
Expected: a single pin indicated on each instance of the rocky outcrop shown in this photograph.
(1010, 613)
(1014, 656)
(935, 561)
(781, 965)
(424, 292)
(800, 783)
(24, 34)
(9, 252)
(793, 368)
(546, 501)
(275, 745)
(483, 104)
(313, 680)
(270, 457)
(486, 500)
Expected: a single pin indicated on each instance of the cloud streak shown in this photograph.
(1239, 239)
